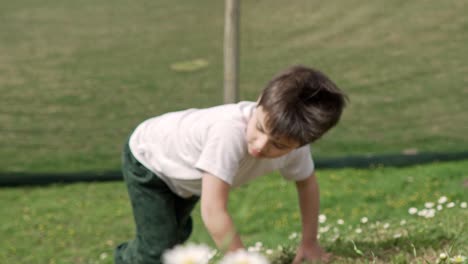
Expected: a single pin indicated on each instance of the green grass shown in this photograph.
(78, 223)
(77, 77)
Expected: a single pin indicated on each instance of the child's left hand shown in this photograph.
(311, 252)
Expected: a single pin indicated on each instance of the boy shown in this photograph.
(173, 160)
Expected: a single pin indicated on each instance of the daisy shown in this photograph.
(244, 257)
(412, 210)
(188, 254)
(443, 256)
(442, 199)
(322, 218)
(458, 259)
(293, 236)
(103, 256)
(429, 205)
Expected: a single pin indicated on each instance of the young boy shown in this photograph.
(173, 160)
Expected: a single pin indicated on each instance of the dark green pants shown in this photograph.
(161, 217)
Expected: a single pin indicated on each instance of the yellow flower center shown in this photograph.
(243, 261)
(189, 261)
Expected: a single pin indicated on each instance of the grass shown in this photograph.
(76, 78)
(82, 223)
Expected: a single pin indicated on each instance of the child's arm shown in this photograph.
(309, 203)
(214, 199)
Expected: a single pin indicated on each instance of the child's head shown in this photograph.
(300, 105)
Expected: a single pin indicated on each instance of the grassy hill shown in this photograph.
(77, 77)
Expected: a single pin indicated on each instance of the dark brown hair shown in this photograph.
(301, 104)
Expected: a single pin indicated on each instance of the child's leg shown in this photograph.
(184, 208)
(158, 215)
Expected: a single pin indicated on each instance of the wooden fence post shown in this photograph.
(231, 51)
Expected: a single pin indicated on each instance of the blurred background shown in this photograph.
(77, 76)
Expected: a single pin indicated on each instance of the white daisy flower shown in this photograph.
(458, 259)
(463, 205)
(244, 257)
(292, 235)
(442, 199)
(358, 230)
(443, 256)
(427, 213)
(450, 205)
(439, 207)
(322, 218)
(386, 225)
(364, 220)
(423, 212)
(103, 256)
(340, 221)
(429, 205)
(412, 210)
(252, 249)
(258, 246)
(430, 213)
(187, 254)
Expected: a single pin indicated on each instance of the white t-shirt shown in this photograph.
(180, 146)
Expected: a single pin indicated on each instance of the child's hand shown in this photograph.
(311, 252)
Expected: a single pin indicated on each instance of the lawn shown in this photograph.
(77, 76)
(82, 223)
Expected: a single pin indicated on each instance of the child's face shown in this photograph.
(260, 144)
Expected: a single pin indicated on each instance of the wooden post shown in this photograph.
(231, 51)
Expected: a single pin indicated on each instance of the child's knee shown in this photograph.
(135, 253)
(149, 257)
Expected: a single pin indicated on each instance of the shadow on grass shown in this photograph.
(383, 250)
(12, 179)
